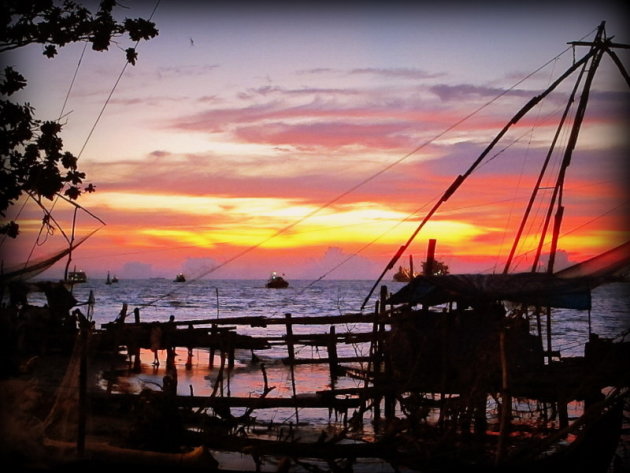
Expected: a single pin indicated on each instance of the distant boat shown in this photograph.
(111, 280)
(114, 279)
(75, 277)
(276, 282)
(180, 278)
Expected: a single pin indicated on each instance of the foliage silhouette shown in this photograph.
(33, 160)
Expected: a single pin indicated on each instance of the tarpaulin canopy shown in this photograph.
(569, 288)
(475, 289)
(615, 262)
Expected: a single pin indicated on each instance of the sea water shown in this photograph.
(203, 299)
(159, 298)
(208, 299)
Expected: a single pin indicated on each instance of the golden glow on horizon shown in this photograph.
(327, 232)
(594, 240)
(181, 237)
(141, 202)
(253, 222)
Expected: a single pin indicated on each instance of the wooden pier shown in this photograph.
(220, 335)
(449, 362)
(385, 380)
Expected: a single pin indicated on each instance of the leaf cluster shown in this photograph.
(438, 268)
(33, 159)
(55, 24)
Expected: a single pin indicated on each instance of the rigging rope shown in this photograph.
(76, 71)
(61, 114)
(63, 107)
(574, 229)
(48, 215)
(98, 118)
(537, 122)
(365, 181)
(560, 129)
(461, 177)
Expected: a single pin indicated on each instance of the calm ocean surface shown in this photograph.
(158, 298)
(212, 299)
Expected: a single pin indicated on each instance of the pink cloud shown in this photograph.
(399, 72)
(327, 135)
(467, 91)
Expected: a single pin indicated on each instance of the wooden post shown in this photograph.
(481, 421)
(506, 400)
(383, 299)
(213, 333)
(444, 337)
(563, 415)
(377, 357)
(373, 361)
(231, 336)
(390, 395)
(332, 354)
(428, 268)
(370, 363)
(83, 336)
(216, 289)
(549, 334)
(123, 314)
(290, 347)
(291, 353)
(218, 383)
(264, 373)
(539, 334)
(374, 341)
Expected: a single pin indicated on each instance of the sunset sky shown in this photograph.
(253, 139)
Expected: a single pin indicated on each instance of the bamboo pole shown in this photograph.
(213, 333)
(83, 338)
(549, 355)
(505, 411)
(289, 337)
(377, 357)
(332, 355)
(230, 349)
(291, 354)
